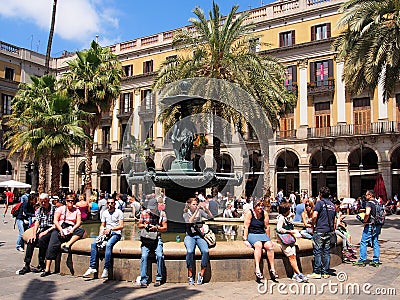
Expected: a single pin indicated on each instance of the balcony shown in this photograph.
(124, 114)
(285, 134)
(147, 111)
(292, 88)
(106, 118)
(325, 87)
(351, 130)
(101, 148)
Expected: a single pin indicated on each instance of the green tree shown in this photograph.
(221, 48)
(93, 81)
(369, 43)
(44, 126)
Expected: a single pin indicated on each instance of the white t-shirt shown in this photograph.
(112, 220)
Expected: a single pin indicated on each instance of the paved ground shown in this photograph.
(372, 282)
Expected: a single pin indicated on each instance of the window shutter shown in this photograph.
(121, 99)
(330, 68)
(281, 40)
(142, 94)
(312, 33)
(328, 30)
(144, 67)
(312, 72)
(293, 38)
(151, 66)
(294, 73)
(131, 101)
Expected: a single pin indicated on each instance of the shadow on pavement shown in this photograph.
(37, 289)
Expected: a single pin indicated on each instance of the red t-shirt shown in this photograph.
(10, 197)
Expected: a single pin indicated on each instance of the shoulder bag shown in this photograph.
(149, 237)
(209, 236)
(287, 238)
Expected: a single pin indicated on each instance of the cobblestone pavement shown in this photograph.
(350, 283)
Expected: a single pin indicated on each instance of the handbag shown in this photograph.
(149, 237)
(286, 238)
(208, 236)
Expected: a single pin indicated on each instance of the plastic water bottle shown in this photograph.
(178, 239)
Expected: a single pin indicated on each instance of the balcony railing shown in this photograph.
(292, 88)
(351, 129)
(324, 87)
(124, 113)
(286, 134)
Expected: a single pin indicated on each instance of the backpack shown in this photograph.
(121, 205)
(380, 214)
(15, 210)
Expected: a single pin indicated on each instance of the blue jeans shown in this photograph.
(321, 251)
(190, 244)
(158, 249)
(370, 235)
(21, 229)
(115, 237)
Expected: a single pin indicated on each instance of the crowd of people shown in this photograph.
(55, 223)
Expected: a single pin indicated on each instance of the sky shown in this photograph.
(26, 23)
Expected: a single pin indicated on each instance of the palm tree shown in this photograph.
(44, 126)
(93, 81)
(50, 41)
(221, 49)
(370, 44)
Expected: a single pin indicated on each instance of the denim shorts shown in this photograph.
(257, 237)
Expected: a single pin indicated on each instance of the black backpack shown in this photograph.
(380, 215)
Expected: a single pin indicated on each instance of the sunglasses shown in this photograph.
(110, 202)
(70, 201)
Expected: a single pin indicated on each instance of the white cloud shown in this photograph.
(76, 20)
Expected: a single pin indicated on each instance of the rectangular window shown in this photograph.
(126, 102)
(148, 66)
(105, 137)
(322, 118)
(147, 99)
(321, 32)
(286, 126)
(321, 72)
(128, 70)
(9, 74)
(286, 39)
(254, 45)
(172, 57)
(148, 127)
(362, 115)
(291, 78)
(6, 100)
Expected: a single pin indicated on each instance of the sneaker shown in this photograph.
(104, 274)
(20, 249)
(157, 283)
(326, 276)
(297, 278)
(143, 285)
(359, 264)
(374, 264)
(303, 277)
(314, 276)
(191, 280)
(199, 278)
(89, 272)
(24, 270)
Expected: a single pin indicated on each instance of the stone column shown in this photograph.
(136, 121)
(340, 94)
(305, 178)
(385, 169)
(343, 180)
(114, 181)
(303, 99)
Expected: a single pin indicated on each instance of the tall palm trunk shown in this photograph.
(50, 41)
(88, 164)
(55, 174)
(42, 173)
